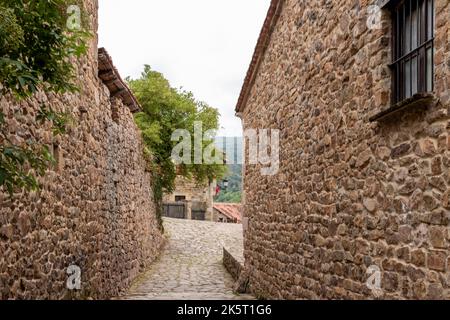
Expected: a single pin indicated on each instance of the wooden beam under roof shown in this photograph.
(108, 73)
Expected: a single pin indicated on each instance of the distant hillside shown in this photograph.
(233, 193)
(233, 149)
(232, 146)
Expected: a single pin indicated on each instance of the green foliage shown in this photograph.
(35, 53)
(37, 47)
(226, 196)
(20, 165)
(13, 157)
(166, 109)
(11, 34)
(59, 120)
(233, 193)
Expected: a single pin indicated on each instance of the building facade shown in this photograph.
(190, 200)
(360, 91)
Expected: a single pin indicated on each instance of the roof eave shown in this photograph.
(111, 78)
(263, 41)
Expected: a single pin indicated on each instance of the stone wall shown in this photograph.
(350, 194)
(190, 189)
(233, 266)
(95, 208)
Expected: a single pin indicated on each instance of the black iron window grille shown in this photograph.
(413, 48)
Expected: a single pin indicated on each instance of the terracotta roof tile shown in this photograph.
(112, 79)
(231, 210)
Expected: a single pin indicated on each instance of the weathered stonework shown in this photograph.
(95, 209)
(231, 264)
(350, 194)
(189, 189)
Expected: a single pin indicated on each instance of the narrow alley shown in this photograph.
(190, 267)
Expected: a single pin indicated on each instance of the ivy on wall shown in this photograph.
(36, 52)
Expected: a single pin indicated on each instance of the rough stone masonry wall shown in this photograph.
(349, 194)
(190, 189)
(95, 209)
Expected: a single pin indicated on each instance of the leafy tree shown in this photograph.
(36, 47)
(166, 109)
(35, 54)
(226, 196)
(233, 193)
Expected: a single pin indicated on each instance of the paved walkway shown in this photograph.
(190, 268)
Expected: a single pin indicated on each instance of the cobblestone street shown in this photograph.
(190, 267)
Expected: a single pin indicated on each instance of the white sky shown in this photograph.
(203, 45)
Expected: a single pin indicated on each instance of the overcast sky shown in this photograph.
(205, 46)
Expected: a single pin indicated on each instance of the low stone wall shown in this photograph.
(232, 265)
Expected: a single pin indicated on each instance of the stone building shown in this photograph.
(190, 200)
(360, 91)
(95, 209)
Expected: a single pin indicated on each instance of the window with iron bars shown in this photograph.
(413, 48)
